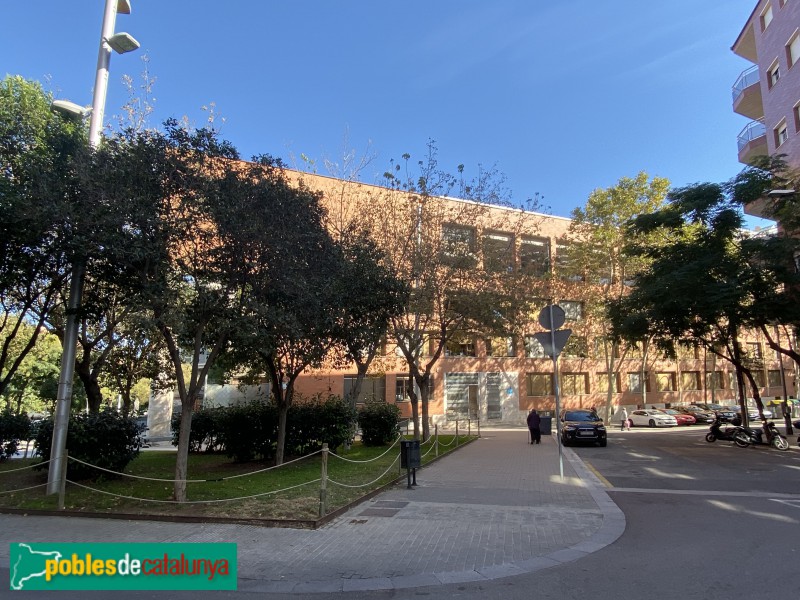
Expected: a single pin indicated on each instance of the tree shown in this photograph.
(596, 250)
(37, 199)
(698, 286)
(432, 244)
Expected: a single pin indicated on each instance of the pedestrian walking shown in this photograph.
(623, 416)
(534, 425)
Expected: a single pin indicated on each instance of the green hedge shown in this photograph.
(380, 423)
(106, 439)
(13, 429)
(249, 431)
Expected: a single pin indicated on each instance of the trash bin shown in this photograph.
(546, 425)
(410, 454)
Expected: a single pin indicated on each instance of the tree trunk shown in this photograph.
(94, 396)
(414, 399)
(182, 458)
(423, 392)
(283, 413)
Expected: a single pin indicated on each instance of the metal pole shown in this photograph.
(64, 397)
(557, 390)
(101, 76)
(323, 483)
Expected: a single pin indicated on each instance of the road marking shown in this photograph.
(768, 495)
(792, 503)
(597, 474)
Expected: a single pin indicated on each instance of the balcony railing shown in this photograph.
(746, 78)
(751, 131)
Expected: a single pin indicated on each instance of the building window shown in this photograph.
(498, 252)
(401, 387)
(635, 382)
(690, 380)
(715, 380)
(604, 346)
(758, 376)
(665, 382)
(781, 134)
(573, 310)
(533, 349)
(500, 347)
(793, 49)
(753, 350)
(575, 384)
(796, 113)
(539, 384)
(566, 265)
(373, 389)
(459, 246)
(577, 347)
(766, 17)
(773, 75)
(534, 256)
(774, 378)
(460, 345)
(604, 378)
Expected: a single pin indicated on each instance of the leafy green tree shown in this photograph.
(597, 240)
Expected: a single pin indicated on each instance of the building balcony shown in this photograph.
(746, 91)
(752, 142)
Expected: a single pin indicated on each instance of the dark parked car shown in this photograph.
(703, 417)
(579, 426)
(726, 413)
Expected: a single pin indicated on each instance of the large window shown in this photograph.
(534, 255)
(373, 389)
(460, 345)
(498, 252)
(753, 350)
(715, 380)
(635, 382)
(690, 380)
(573, 310)
(533, 349)
(566, 265)
(603, 380)
(665, 382)
(539, 384)
(774, 378)
(575, 384)
(501, 347)
(459, 246)
(577, 347)
(402, 385)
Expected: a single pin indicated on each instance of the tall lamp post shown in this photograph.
(120, 43)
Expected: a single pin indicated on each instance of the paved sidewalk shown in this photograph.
(495, 508)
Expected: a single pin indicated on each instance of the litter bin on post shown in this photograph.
(410, 459)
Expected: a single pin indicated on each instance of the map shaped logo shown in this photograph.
(27, 564)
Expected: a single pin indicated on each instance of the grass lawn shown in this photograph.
(290, 492)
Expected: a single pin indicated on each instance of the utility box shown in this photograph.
(410, 454)
(546, 425)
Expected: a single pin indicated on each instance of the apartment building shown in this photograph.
(768, 92)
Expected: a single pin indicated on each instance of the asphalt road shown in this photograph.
(704, 521)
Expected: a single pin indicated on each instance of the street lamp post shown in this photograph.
(120, 43)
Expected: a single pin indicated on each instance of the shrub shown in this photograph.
(380, 423)
(249, 430)
(313, 422)
(206, 434)
(106, 439)
(13, 429)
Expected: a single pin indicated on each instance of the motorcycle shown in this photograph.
(768, 434)
(731, 433)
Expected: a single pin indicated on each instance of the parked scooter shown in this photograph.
(731, 433)
(768, 434)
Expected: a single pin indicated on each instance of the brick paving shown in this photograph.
(496, 508)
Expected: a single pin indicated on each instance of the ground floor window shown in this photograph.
(774, 378)
(604, 378)
(373, 389)
(539, 384)
(574, 384)
(665, 382)
(635, 382)
(690, 380)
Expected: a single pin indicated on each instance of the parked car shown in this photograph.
(680, 417)
(582, 426)
(726, 413)
(703, 417)
(652, 418)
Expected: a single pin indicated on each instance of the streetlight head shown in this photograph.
(70, 109)
(780, 193)
(122, 42)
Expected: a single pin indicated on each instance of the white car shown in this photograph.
(652, 418)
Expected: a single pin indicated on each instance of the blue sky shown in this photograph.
(563, 97)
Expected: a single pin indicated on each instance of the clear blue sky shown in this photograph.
(563, 96)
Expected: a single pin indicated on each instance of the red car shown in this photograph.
(681, 418)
